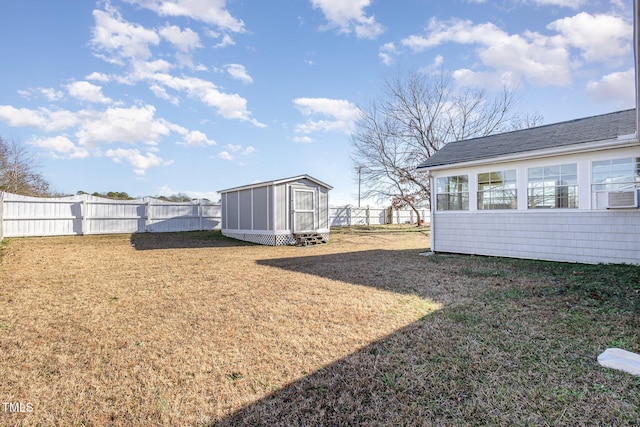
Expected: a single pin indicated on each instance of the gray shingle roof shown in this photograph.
(578, 131)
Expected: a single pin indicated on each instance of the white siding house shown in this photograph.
(560, 192)
(275, 212)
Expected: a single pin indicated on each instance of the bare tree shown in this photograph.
(416, 115)
(18, 171)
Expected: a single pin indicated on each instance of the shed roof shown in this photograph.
(276, 182)
(590, 129)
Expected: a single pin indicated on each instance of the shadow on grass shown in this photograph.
(511, 352)
(186, 239)
(400, 271)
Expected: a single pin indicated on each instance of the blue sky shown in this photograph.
(155, 97)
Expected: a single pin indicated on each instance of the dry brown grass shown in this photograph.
(180, 329)
(195, 329)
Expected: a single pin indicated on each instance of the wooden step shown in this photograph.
(305, 239)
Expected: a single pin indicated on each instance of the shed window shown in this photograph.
(453, 193)
(553, 186)
(497, 190)
(615, 174)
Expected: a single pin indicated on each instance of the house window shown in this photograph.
(453, 193)
(497, 190)
(618, 174)
(553, 186)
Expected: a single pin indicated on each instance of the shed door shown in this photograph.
(303, 210)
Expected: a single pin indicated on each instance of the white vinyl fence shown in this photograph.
(22, 216)
(341, 216)
(84, 214)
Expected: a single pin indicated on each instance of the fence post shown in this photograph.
(83, 217)
(368, 215)
(200, 214)
(349, 215)
(146, 215)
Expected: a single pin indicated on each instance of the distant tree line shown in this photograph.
(121, 195)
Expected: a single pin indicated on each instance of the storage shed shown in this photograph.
(281, 212)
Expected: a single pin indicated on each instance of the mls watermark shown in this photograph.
(16, 407)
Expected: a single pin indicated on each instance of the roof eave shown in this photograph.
(275, 182)
(620, 142)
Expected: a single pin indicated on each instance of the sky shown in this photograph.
(158, 97)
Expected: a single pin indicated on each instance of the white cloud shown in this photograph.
(485, 79)
(41, 118)
(227, 40)
(113, 126)
(208, 11)
(229, 106)
(225, 155)
(86, 91)
(599, 37)
(541, 60)
(118, 37)
(161, 93)
(238, 72)
(60, 145)
(98, 77)
(303, 139)
(244, 151)
(341, 115)
(349, 16)
(196, 138)
(129, 43)
(140, 162)
(122, 125)
(185, 41)
(237, 150)
(615, 88)
(386, 53)
(50, 94)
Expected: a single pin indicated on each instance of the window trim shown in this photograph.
(499, 189)
(460, 194)
(576, 187)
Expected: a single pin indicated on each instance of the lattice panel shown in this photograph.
(263, 239)
(284, 239)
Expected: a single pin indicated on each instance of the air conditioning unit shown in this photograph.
(622, 199)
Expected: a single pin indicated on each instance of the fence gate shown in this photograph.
(303, 210)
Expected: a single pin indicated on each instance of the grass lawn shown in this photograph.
(194, 329)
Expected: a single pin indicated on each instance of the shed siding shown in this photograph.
(232, 211)
(576, 236)
(245, 210)
(260, 208)
(281, 204)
